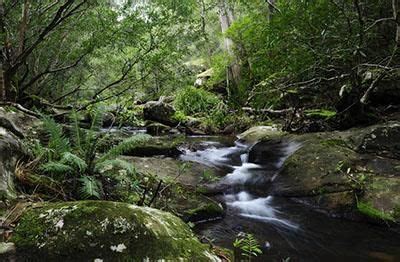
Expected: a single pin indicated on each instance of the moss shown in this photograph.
(368, 210)
(207, 211)
(108, 230)
(334, 142)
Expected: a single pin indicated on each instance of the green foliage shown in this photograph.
(321, 113)
(75, 159)
(90, 187)
(248, 245)
(192, 101)
(125, 146)
(368, 210)
(57, 142)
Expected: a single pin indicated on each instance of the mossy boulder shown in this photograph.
(381, 200)
(340, 173)
(157, 129)
(382, 139)
(315, 169)
(109, 231)
(164, 146)
(160, 111)
(258, 133)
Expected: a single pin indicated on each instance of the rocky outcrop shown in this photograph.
(353, 174)
(105, 231)
(160, 111)
(158, 129)
(259, 133)
(13, 126)
(11, 152)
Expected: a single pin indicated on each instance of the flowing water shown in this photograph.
(284, 228)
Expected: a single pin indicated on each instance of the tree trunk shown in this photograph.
(3, 52)
(271, 8)
(23, 26)
(396, 16)
(226, 17)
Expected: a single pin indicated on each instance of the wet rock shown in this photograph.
(190, 174)
(339, 173)
(383, 139)
(157, 147)
(160, 111)
(208, 211)
(157, 129)
(315, 169)
(259, 133)
(107, 231)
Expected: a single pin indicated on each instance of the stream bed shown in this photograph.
(284, 228)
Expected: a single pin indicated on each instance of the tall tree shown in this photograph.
(226, 17)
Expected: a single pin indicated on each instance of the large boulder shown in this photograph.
(339, 173)
(105, 231)
(14, 125)
(158, 129)
(381, 139)
(11, 152)
(160, 111)
(258, 133)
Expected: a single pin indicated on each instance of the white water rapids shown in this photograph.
(243, 173)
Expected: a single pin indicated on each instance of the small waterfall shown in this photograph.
(245, 175)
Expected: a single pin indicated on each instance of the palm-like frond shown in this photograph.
(90, 187)
(58, 143)
(56, 168)
(76, 133)
(74, 161)
(125, 146)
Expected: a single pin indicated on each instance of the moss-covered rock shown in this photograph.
(157, 129)
(381, 200)
(204, 212)
(258, 133)
(315, 169)
(110, 231)
(339, 172)
(158, 146)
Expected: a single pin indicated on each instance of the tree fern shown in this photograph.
(56, 168)
(57, 143)
(90, 187)
(74, 161)
(76, 134)
(125, 146)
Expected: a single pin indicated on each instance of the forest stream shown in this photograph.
(285, 228)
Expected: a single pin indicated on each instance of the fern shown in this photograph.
(56, 168)
(57, 143)
(249, 246)
(90, 187)
(74, 161)
(76, 131)
(125, 146)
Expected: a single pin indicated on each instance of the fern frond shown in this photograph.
(97, 118)
(76, 134)
(57, 141)
(56, 168)
(125, 146)
(90, 187)
(103, 167)
(73, 161)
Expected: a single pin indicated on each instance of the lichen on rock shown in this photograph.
(105, 230)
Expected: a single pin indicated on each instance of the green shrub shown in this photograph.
(195, 101)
